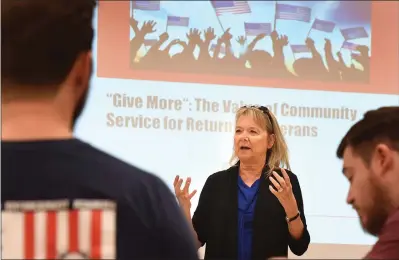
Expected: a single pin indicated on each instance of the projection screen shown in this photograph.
(165, 90)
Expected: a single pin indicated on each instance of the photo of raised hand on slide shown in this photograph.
(303, 40)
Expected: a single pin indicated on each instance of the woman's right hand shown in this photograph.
(183, 195)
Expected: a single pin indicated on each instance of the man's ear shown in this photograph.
(80, 74)
(382, 159)
(85, 69)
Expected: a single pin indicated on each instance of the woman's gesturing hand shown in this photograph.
(183, 195)
(283, 192)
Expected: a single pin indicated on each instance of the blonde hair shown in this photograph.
(277, 156)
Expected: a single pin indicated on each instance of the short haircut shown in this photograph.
(377, 126)
(41, 39)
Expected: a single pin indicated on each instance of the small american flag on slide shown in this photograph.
(85, 232)
(147, 5)
(322, 25)
(354, 33)
(254, 29)
(231, 7)
(299, 48)
(293, 12)
(178, 21)
(349, 46)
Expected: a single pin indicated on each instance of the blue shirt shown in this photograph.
(246, 207)
(148, 223)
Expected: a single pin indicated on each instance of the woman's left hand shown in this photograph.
(284, 192)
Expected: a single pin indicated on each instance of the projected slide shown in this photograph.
(321, 40)
(171, 74)
(308, 45)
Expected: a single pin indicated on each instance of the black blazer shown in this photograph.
(216, 219)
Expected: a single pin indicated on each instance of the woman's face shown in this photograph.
(251, 141)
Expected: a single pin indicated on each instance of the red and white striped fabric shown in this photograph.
(62, 234)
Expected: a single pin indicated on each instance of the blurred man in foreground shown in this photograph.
(62, 198)
(370, 153)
